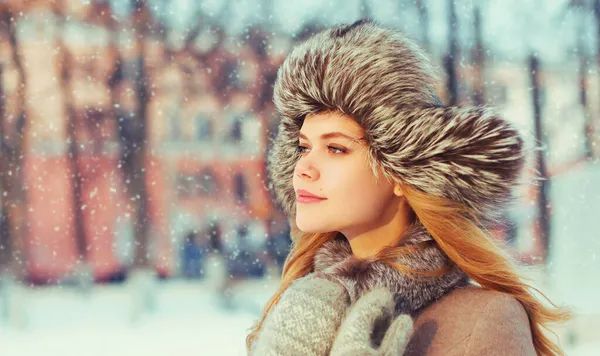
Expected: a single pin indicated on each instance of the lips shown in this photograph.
(307, 197)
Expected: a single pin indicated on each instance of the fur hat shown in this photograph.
(385, 82)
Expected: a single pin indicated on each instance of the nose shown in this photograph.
(305, 169)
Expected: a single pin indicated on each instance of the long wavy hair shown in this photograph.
(457, 232)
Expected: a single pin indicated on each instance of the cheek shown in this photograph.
(357, 188)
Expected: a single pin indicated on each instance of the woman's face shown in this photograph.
(333, 165)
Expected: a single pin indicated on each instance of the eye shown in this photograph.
(337, 150)
(300, 149)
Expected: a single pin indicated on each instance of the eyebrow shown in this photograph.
(332, 135)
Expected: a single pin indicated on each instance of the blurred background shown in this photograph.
(135, 217)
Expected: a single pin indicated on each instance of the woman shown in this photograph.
(391, 194)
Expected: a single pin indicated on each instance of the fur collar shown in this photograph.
(335, 261)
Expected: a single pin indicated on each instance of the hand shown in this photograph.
(305, 320)
(366, 321)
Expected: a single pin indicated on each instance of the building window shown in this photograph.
(230, 71)
(204, 127)
(240, 188)
(185, 185)
(174, 124)
(207, 184)
(194, 185)
(235, 134)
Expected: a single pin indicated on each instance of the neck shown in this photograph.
(366, 243)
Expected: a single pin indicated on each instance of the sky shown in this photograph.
(512, 28)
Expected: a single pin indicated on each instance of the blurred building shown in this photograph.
(207, 137)
(210, 117)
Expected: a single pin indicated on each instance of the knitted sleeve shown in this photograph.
(371, 329)
(305, 320)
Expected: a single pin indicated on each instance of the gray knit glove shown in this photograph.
(305, 320)
(367, 323)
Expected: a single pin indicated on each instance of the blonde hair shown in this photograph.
(453, 227)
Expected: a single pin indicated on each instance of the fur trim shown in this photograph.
(467, 154)
(335, 261)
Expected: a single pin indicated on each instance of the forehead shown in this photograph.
(331, 121)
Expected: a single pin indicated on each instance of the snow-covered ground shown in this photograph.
(187, 319)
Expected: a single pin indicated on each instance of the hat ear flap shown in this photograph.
(467, 154)
(281, 163)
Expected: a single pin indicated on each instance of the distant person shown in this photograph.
(192, 257)
(279, 243)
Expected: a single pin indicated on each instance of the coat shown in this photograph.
(472, 321)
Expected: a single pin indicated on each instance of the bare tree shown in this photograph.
(478, 55)
(73, 159)
(590, 123)
(423, 23)
(365, 10)
(582, 9)
(13, 140)
(583, 89)
(544, 187)
(451, 56)
(5, 243)
(134, 137)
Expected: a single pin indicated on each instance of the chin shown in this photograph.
(311, 225)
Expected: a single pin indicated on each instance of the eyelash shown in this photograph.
(341, 150)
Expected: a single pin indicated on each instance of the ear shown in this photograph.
(398, 190)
